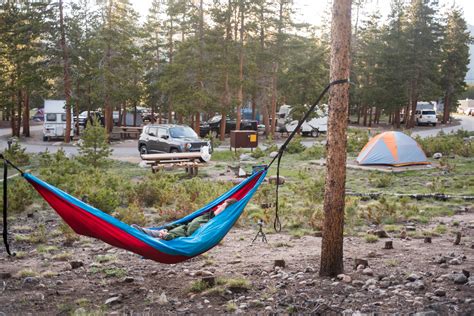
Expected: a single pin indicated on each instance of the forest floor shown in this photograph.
(90, 276)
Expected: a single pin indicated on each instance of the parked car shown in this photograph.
(426, 117)
(213, 126)
(170, 138)
(94, 114)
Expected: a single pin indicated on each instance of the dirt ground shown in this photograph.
(90, 276)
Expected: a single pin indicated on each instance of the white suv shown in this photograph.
(426, 117)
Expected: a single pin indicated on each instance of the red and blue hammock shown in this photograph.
(89, 221)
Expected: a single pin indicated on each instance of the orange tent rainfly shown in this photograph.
(392, 148)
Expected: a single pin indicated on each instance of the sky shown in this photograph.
(311, 11)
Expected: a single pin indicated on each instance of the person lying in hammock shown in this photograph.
(185, 229)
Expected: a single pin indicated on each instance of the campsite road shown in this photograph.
(466, 123)
(127, 150)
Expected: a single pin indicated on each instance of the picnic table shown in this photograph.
(190, 161)
(124, 132)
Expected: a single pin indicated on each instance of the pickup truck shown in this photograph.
(213, 126)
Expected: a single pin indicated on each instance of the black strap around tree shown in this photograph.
(5, 200)
(277, 223)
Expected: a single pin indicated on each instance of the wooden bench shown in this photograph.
(124, 132)
(189, 161)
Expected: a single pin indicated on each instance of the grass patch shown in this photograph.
(64, 256)
(114, 272)
(105, 258)
(27, 273)
(198, 286)
(369, 238)
(46, 249)
(440, 229)
(48, 274)
(231, 307)
(392, 228)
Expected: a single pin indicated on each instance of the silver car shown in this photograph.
(170, 138)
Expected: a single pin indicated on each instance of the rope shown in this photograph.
(277, 223)
(6, 162)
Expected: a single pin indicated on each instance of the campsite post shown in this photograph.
(334, 194)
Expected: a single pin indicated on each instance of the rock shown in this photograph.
(368, 271)
(31, 281)
(128, 279)
(358, 262)
(143, 164)
(273, 180)
(437, 155)
(413, 277)
(242, 173)
(256, 303)
(381, 233)
(440, 292)
(273, 154)
(459, 278)
(5, 275)
(372, 254)
(268, 308)
(76, 264)
(113, 300)
(246, 157)
(466, 273)
(417, 285)
(358, 283)
(441, 260)
(344, 278)
(444, 266)
(279, 263)
(410, 228)
(360, 267)
(162, 300)
(455, 261)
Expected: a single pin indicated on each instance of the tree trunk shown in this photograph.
(254, 107)
(364, 109)
(358, 114)
(273, 99)
(447, 105)
(334, 194)
(26, 114)
(67, 79)
(240, 95)
(396, 119)
(19, 114)
(370, 116)
(222, 126)
(413, 102)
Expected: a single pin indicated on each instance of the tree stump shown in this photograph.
(458, 238)
(279, 263)
(209, 280)
(362, 262)
(427, 240)
(388, 245)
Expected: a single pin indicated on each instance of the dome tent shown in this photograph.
(392, 148)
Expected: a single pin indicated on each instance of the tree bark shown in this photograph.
(240, 95)
(67, 79)
(26, 114)
(334, 194)
(447, 105)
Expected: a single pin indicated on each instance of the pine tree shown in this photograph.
(94, 148)
(455, 59)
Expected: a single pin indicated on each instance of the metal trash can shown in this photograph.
(243, 139)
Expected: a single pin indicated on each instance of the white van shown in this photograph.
(55, 120)
(426, 117)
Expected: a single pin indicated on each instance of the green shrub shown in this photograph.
(20, 195)
(314, 152)
(132, 214)
(17, 155)
(94, 148)
(258, 153)
(356, 140)
(381, 180)
(295, 146)
(156, 189)
(448, 144)
(369, 238)
(271, 148)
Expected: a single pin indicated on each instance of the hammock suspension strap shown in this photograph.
(6, 162)
(277, 223)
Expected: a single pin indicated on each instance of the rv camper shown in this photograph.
(55, 119)
(313, 127)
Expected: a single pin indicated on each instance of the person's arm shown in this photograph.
(178, 231)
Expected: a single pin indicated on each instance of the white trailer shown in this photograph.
(312, 127)
(55, 120)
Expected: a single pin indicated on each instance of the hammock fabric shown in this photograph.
(89, 221)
